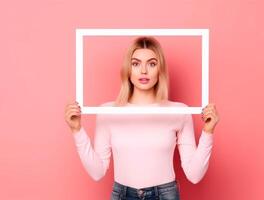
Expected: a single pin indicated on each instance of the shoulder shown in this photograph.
(176, 104)
(106, 104)
(101, 118)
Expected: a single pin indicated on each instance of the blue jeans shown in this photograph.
(166, 191)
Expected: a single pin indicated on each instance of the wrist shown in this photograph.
(209, 131)
(75, 130)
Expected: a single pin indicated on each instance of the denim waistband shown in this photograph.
(147, 191)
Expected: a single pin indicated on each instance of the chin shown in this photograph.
(144, 87)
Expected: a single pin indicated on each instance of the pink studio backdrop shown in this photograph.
(38, 159)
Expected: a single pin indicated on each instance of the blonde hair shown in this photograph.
(161, 87)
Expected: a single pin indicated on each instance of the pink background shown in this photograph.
(38, 159)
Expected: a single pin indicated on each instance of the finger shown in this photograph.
(72, 110)
(72, 113)
(210, 115)
(206, 109)
(70, 117)
(203, 110)
(206, 112)
(209, 111)
(67, 107)
(211, 106)
(74, 103)
(72, 106)
(215, 117)
(204, 118)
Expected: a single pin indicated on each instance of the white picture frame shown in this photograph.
(80, 33)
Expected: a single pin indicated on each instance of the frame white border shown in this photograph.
(80, 33)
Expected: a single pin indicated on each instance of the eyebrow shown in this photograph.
(147, 60)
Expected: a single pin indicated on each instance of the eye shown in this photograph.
(134, 64)
(152, 64)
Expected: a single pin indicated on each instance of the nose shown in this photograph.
(143, 69)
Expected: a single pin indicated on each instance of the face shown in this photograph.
(144, 69)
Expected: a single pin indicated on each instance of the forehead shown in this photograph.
(144, 54)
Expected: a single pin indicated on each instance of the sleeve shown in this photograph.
(95, 160)
(194, 160)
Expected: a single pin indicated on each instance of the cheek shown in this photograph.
(133, 77)
(155, 75)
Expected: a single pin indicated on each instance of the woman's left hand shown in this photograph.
(210, 117)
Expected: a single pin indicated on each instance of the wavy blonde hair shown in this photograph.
(161, 87)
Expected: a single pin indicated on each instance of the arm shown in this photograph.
(194, 160)
(95, 161)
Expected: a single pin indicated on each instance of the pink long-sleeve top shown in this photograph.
(143, 146)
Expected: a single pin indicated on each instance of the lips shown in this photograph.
(143, 80)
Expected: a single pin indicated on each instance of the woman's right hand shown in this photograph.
(73, 116)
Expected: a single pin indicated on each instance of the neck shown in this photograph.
(143, 96)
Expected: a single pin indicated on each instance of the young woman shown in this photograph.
(143, 145)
